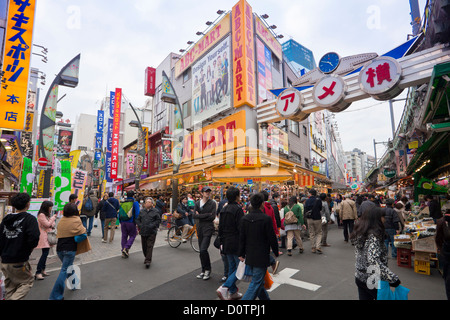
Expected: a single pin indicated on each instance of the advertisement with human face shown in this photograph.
(211, 91)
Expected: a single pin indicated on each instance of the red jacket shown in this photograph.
(268, 210)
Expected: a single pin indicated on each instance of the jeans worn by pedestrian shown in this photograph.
(204, 240)
(256, 287)
(67, 258)
(42, 260)
(230, 283)
(390, 233)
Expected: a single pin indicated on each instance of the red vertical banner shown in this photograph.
(115, 135)
(150, 80)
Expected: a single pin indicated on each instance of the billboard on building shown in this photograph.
(264, 58)
(220, 30)
(300, 58)
(211, 83)
(244, 82)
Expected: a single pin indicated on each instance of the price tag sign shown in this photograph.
(289, 103)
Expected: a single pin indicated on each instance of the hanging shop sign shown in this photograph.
(401, 162)
(380, 78)
(244, 82)
(389, 173)
(150, 81)
(329, 93)
(220, 30)
(16, 64)
(289, 103)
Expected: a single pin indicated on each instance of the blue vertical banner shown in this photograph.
(109, 135)
(98, 145)
(108, 167)
(112, 99)
(100, 121)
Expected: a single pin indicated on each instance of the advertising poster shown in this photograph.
(65, 141)
(62, 181)
(264, 58)
(26, 182)
(211, 91)
(78, 184)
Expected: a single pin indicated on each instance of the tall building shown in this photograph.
(359, 164)
(300, 58)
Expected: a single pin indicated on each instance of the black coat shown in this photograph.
(148, 221)
(314, 204)
(256, 238)
(229, 226)
(206, 215)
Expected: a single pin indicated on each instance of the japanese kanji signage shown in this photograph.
(78, 184)
(244, 82)
(16, 64)
(401, 162)
(116, 134)
(380, 78)
(289, 103)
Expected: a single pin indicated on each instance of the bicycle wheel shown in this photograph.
(194, 242)
(173, 239)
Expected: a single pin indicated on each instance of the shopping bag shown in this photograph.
(385, 292)
(240, 271)
(268, 281)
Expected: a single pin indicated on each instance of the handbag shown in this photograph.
(52, 238)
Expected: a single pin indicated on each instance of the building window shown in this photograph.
(186, 109)
(275, 62)
(295, 128)
(306, 163)
(187, 75)
(305, 131)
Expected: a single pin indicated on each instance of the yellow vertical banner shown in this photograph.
(16, 64)
(244, 92)
(74, 157)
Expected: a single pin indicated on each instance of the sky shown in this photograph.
(118, 39)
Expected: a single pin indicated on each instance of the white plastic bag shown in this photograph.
(240, 271)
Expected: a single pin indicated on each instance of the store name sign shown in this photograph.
(244, 81)
(220, 30)
(226, 134)
(268, 38)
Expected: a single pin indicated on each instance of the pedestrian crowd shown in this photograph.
(250, 234)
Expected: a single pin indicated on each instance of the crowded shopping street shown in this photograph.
(196, 152)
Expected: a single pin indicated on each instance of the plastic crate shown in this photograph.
(404, 257)
(422, 267)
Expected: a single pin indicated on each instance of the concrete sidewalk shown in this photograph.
(100, 251)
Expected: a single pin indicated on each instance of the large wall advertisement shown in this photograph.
(211, 87)
(264, 58)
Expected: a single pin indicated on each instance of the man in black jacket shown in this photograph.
(148, 223)
(205, 212)
(313, 208)
(19, 235)
(229, 225)
(256, 239)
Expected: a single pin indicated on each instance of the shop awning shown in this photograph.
(256, 175)
(424, 151)
(438, 91)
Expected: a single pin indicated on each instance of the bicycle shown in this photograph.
(174, 237)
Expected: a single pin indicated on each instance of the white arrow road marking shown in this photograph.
(284, 277)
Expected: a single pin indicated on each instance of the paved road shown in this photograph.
(330, 276)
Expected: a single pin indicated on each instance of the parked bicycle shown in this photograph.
(174, 237)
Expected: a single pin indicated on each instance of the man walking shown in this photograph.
(19, 235)
(110, 207)
(205, 212)
(89, 210)
(348, 215)
(229, 225)
(148, 223)
(256, 239)
(313, 208)
(366, 205)
(128, 224)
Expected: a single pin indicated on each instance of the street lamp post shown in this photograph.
(140, 147)
(375, 149)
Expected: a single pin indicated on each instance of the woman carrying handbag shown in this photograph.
(46, 224)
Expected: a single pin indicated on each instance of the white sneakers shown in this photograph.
(224, 294)
(204, 275)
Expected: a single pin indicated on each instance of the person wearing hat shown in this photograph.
(205, 212)
(391, 226)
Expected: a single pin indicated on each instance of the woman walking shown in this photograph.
(72, 240)
(371, 254)
(46, 223)
(293, 229)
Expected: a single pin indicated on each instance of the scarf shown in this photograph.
(70, 227)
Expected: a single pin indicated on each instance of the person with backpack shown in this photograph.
(110, 208)
(128, 213)
(88, 211)
(293, 222)
(313, 208)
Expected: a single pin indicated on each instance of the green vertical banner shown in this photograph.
(26, 182)
(62, 181)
